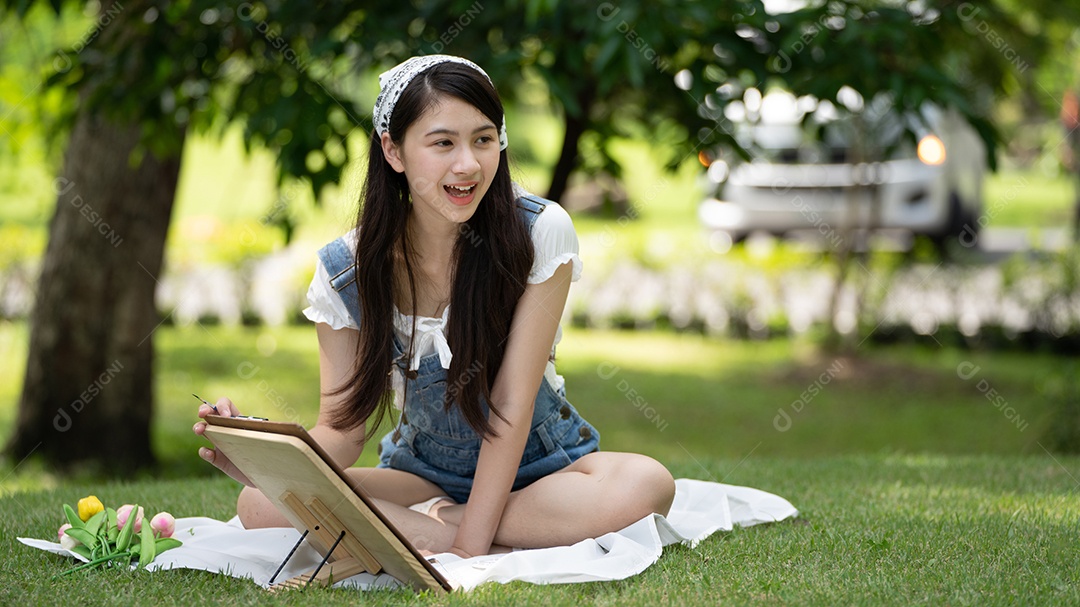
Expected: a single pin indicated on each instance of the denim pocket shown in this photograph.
(554, 461)
(429, 414)
(458, 458)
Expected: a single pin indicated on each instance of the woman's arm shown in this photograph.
(528, 348)
(337, 353)
(337, 350)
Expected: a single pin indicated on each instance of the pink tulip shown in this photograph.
(163, 524)
(66, 541)
(124, 512)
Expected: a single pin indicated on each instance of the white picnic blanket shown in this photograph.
(700, 509)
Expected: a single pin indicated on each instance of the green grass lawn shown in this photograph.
(1017, 199)
(913, 488)
(873, 529)
(672, 396)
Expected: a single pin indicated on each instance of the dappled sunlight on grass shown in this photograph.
(1028, 198)
(678, 397)
(29, 476)
(668, 394)
(934, 502)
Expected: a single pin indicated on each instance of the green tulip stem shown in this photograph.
(97, 561)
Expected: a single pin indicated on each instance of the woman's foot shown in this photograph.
(432, 506)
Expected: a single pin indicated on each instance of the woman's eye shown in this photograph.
(443, 143)
(485, 139)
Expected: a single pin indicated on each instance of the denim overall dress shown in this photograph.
(439, 445)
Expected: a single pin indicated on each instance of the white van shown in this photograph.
(797, 181)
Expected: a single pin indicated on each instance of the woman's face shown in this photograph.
(449, 157)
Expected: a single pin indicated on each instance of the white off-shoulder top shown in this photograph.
(555, 243)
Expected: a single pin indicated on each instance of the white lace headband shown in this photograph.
(394, 81)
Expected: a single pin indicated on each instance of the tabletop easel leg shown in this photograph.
(325, 558)
(287, 558)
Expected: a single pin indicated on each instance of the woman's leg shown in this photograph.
(597, 494)
(392, 486)
(392, 491)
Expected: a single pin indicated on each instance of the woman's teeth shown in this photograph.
(459, 191)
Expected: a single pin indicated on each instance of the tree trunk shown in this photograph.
(835, 340)
(568, 156)
(88, 389)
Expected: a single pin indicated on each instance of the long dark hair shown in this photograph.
(491, 262)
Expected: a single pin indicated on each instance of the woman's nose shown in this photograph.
(466, 163)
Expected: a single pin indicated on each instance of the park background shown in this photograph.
(930, 462)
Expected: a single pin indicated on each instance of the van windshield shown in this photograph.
(783, 134)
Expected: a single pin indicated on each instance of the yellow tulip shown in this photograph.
(89, 506)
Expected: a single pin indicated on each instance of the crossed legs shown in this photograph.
(599, 493)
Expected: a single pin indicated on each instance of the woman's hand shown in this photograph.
(225, 408)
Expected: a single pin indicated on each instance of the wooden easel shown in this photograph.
(346, 555)
(338, 518)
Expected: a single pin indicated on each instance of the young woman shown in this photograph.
(445, 302)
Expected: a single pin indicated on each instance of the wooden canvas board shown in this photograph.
(298, 477)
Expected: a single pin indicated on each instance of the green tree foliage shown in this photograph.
(609, 67)
(293, 74)
(174, 66)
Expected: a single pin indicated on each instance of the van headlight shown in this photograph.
(931, 150)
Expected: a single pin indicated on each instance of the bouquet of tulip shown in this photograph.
(105, 536)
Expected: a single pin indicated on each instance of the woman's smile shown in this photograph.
(461, 194)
